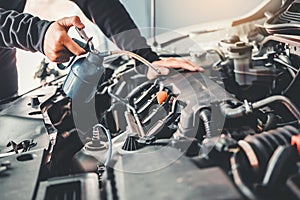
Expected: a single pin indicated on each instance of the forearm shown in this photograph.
(22, 30)
(115, 22)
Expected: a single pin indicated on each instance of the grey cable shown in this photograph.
(107, 132)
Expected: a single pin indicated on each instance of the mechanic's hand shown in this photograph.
(163, 65)
(58, 46)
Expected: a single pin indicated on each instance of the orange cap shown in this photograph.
(295, 140)
(161, 96)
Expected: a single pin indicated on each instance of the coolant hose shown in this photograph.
(231, 113)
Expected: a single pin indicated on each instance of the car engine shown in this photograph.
(228, 133)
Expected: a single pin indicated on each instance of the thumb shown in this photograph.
(68, 22)
(152, 74)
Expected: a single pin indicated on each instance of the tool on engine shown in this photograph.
(82, 80)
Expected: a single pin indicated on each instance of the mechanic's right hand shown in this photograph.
(166, 64)
(58, 46)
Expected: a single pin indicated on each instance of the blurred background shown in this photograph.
(170, 14)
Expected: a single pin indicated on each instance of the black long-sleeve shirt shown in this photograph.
(14, 31)
(115, 22)
(27, 32)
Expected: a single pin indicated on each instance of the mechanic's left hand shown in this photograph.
(164, 65)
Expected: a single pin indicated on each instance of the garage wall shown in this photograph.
(173, 14)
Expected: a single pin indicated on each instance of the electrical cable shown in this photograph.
(107, 132)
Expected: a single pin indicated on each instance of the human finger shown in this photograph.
(178, 63)
(68, 22)
(152, 74)
(73, 46)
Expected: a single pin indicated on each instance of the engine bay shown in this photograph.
(228, 133)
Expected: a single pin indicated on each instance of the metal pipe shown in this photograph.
(282, 99)
(290, 68)
(248, 107)
(153, 22)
